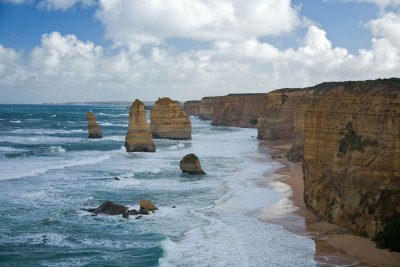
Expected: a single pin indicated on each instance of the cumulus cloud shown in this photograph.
(153, 21)
(387, 26)
(64, 68)
(144, 64)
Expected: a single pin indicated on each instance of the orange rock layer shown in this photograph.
(237, 110)
(352, 155)
(93, 128)
(192, 107)
(138, 137)
(168, 120)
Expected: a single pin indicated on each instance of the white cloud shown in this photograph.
(387, 26)
(154, 21)
(64, 68)
(11, 71)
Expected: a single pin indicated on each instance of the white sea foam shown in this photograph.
(13, 169)
(11, 149)
(38, 139)
(51, 239)
(39, 131)
(56, 149)
(15, 121)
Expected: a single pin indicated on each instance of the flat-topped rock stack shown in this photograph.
(93, 128)
(169, 120)
(138, 137)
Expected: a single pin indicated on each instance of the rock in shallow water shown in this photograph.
(93, 128)
(146, 206)
(138, 137)
(191, 164)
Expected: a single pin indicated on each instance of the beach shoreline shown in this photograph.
(334, 245)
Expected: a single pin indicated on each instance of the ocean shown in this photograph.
(50, 170)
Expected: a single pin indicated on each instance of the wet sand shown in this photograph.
(334, 245)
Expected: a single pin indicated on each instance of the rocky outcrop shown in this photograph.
(206, 108)
(138, 137)
(146, 206)
(93, 128)
(352, 155)
(168, 120)
(237, 110)
(192, 107)
(191, 164)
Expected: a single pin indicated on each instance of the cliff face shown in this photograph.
(192, 107)
(138, 137)
(168, 120)
(352, 155)
(206, 108)
(93, 128)
(237, 110)
(276, 117)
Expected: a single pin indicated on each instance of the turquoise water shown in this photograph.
(49, 170)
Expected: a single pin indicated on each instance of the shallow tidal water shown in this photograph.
(49, 170)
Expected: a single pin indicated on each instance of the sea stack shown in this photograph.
(138, 137)
(169, 120)
(93, 128)
(191, 164)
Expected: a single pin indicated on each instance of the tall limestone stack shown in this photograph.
(352, 155)
(93, 128)
(237, 110)
(138, 137)
(168, 120)
(192, 107)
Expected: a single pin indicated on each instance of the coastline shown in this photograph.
(333, 244)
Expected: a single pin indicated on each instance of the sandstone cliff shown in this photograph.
(192, 107)
(352, 155)
(168, 120)
(276, 117)
(93, 128)
(138, 137)
(206, 108)
(237, 110)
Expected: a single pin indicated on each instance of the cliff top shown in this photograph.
(377, 86)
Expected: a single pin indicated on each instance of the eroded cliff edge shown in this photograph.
(351, 160)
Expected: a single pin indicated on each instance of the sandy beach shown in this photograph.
(334, 245)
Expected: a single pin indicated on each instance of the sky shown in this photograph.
(118, 50)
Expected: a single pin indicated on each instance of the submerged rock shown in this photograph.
(191, 164)
(93, 128)
(169, 120)
(138, 137)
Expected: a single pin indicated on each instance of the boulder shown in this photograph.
(191, 164)
(169, 120)
(138, 137)
(109, 208)
(93, 128)
(146, 206)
